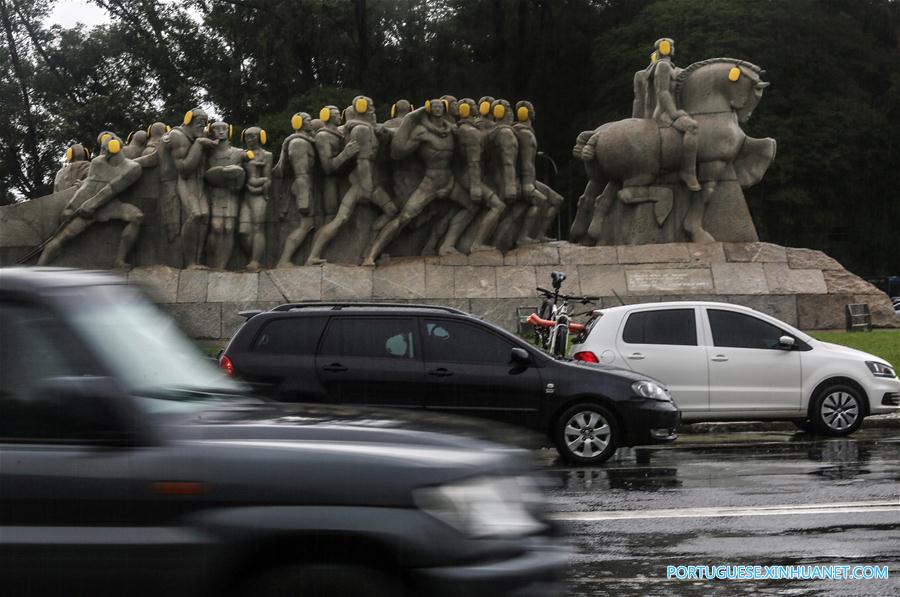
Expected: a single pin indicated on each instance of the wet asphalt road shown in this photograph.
(851, 484)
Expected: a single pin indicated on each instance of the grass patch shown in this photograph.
(881, 343)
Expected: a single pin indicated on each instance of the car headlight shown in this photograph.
(484, 506)
(880, 369)
(653, 391)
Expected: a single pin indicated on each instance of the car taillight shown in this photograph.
(587, 356)
(226, 365)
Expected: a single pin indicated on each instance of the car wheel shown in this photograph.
(837, 410)
(586, 434)
(804, 425)
(323, 580)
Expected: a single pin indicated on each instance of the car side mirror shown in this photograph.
(787, 343)
(92, 409)
(519, 356)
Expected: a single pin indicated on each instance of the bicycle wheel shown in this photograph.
(561, 341)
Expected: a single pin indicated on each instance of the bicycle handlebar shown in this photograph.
(568, 297)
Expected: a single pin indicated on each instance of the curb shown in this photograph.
(889, 421)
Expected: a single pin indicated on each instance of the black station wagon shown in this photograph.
(442, 359)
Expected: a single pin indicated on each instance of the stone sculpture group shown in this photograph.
(464, 170)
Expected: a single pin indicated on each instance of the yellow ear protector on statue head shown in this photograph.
(148, 129)
(484, 108)
(361, 105)
(428, 106)
(393, 110)
(128, 138)
(522, 114)
(262, 137)
(499, 111)
(168, 129)
(69, 154)
(464, 110)
(654, 57)
(296, 122)
(114, 146)
(230, 131)
(325, 114)
(242, 134)
(208, 128)
(665, 47)
(87, 153)
(446, 105)
(734, 74)
(188, 117)
(104, 137)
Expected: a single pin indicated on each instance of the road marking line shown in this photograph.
(835, 508)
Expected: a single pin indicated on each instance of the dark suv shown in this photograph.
(442, 359)
(130, 465)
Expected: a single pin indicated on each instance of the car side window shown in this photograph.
(289, 335)
(34, 348)
(661, 326)
(374, 337)
(458, 342)
(737, 330)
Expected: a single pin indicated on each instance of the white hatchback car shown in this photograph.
(724, 362)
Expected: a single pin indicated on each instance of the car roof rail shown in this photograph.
(340, 306)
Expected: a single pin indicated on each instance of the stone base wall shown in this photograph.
(805, 288)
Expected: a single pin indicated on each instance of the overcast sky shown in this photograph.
(70, 12)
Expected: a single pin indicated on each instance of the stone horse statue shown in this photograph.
(630, 159)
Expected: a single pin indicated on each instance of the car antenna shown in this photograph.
(621, 302)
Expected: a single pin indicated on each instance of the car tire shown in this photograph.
(804, 425)
(323, 580)
(836, 410)
(586, 434)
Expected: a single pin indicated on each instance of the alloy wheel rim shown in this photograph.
(587, 434)
(840, 410)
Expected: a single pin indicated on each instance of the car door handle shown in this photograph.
(334, 367)
(636, 356)
(440, 372)
(719, 358)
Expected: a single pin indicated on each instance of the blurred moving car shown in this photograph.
(444, 360)
(725, 362)
(129, 465)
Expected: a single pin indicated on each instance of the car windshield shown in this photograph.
(144, 347)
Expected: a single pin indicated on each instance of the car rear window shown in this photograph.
(289, 335)
(661, 326)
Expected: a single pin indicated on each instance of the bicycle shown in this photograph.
(553, 322)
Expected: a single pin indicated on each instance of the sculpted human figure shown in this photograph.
(359, 129)
(96, 200)
(533, 191)
(135, 144)
(470, 144)
(642, 105)
(296, 164)
(225, 178)
(425, 131)
(665, 111)
(400, 109)
(75, 170)
(159, 145)
(186, 146)
(333, 154)
(257, 187)
(483, 119)
(504, 146)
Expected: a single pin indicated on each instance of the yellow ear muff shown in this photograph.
(148, 130)
(734, 74)
(208, 128)
(484, 108)
(250, 154)
(242, 135)
(522, 114)
(361, 106)
(104, 137)
(324, 114)
(188, 117)
(128, 138)
(230, 131)
(428, 106)
(465, 110)
(446, 105)
(665, 47)
(296, 122)
(87, 152)
(499, 111)
(69, 154)
(262, 137)
(653, 57)
(114, 146)
(168, 129)
(393, 110)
